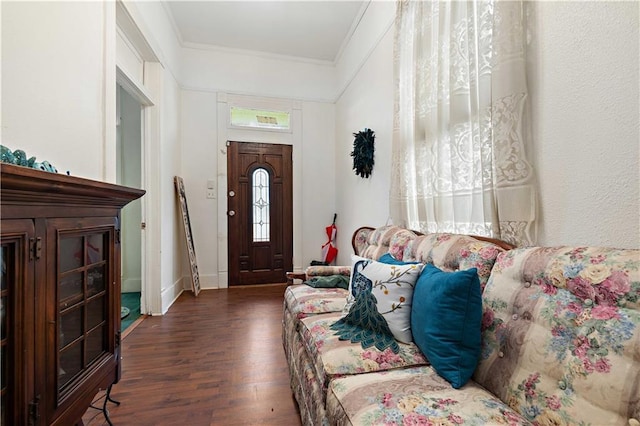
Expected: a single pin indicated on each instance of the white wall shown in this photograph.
(59, 96)
(583, 79)
(170, 165)
(265, 76)
(367, 101)
(584, 88)
(54, 82)
(199, 164)
(319, 179)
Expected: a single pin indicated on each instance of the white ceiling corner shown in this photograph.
(306, 30)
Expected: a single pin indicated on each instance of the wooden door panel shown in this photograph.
(246, 161)
(276, 163)
(256, 262)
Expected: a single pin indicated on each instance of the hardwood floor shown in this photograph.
(212, 360)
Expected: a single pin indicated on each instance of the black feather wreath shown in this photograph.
(363, 152)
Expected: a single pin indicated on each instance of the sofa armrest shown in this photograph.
(326, 270)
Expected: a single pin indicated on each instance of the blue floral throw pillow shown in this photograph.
(446, 316)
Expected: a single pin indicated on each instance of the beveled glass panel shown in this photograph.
(70, 253)
(96, 312)
(70, 286)
(70, 363)
(95, 248)
(70, 326)
(260, 202)
(96, 344)
(96, 280)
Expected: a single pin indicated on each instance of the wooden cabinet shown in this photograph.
(60, 293)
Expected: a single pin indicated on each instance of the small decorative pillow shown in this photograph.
(446, 318)
(392, 286)
(328, 281)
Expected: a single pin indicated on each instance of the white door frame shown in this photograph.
(145, 87)
(226, 133)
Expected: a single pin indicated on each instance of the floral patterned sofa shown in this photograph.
(560, 340)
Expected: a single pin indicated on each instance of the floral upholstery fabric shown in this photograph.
(302, 300)
(332, 357)
(304, 385)
(413, 396)
(326, 270)
(560, 341)
(380, 240)
(561, 335)
(451, 252)
(361, 239)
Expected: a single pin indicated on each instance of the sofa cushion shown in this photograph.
(325, 270)
(452, 252)
(379, 240)
(445, 321)
(332, 357)
(302, 300)
(561, 334)
(413, 396)
(392, 286)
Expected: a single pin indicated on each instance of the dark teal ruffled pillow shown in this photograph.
(328, 281)
(446, 317)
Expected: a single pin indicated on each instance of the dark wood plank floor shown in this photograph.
(212, 360)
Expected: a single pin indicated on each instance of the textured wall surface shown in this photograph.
(583, 80)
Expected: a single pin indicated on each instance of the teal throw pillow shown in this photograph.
(446, 317)
(390, 260)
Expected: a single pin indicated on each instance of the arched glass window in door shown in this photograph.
(260, 184)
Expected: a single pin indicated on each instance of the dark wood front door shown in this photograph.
(260, 212)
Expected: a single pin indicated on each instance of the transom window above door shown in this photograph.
(260, 119)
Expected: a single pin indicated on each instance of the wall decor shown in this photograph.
(363, 152)
(182, 198)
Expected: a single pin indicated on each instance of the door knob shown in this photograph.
(231, 213)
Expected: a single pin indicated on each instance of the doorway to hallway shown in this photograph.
(128, 173)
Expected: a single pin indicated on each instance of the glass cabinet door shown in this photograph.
(16, 321)
(83, 303)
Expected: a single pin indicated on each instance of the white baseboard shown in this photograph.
(170, 295)
(207, 282)
(223, 279)
(130, 285)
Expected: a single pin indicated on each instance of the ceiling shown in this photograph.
(314, 30)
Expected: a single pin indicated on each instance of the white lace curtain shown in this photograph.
(459, 162)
